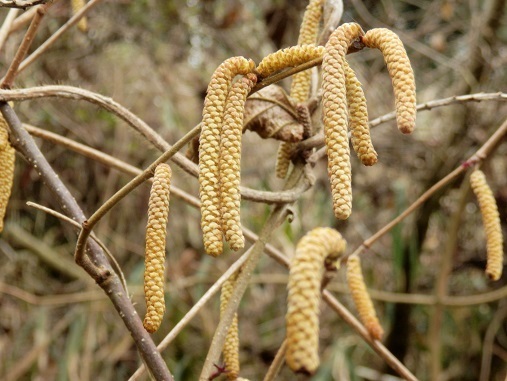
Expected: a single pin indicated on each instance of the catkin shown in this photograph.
(231, 345)
(209, 149)
(7, 158)
(301, 82)
(158, 211)
(491, 222)
(285, 150)
(334, 110)
(77, 5)
(288, 57)
(358, 119)
(361, 298)
(230, 161)
(401, 74)
(317, 249)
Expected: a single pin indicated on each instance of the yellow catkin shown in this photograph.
(301, 82)
(209, 149)
(334, 110)
(77, 5)
(230, 161)
(288, 57)
(401, 73)
(317, 249)
(358, 119)
(491, 222)
(7, 159)
(362, 299)
(231, 345)
(158, 211)
(285, 150)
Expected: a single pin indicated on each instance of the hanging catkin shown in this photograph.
(319, 248)
(77, 5)
(230, 161)
(288, 57)
(491, 222)
(401, 73)
(158, 211)
(361, 298)
(308, 32)
(209, 150)
(334, 110)
(231, 344)
(358, 119)
(7, 158)
(285, 151)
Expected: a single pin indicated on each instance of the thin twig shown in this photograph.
(6, 26)
(24, 19)
(13, 70)
(98, 267)
(55, 36)
(277, 363)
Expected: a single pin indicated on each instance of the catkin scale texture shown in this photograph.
(288, 57)
(319, 246)
(358, 119)
(231, 344)
(230, 161)
(401, 74)
(361, 298)
(7, 159)
(158, 212)
(285, 150)
(491, 222)
(209, 149)
(334, 111)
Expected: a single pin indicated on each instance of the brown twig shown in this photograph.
(7, 25)
(277, 363)
(95, 263)
(13, 70)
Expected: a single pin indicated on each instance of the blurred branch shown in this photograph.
(95, 263)
(277, 363)
(13, 70)
(22, 4)
(489, 341)
(6, 26)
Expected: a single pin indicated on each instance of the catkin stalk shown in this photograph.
(358, 119)
(154, 277)
(230, 161)
(334, 110)
(361, 298)
(231, 345)
(317, 250)
(7, 161)
(209, 150)
(401, 74)
(491, 222)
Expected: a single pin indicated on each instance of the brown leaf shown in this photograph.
(271, 114)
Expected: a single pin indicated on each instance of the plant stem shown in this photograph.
(277, 363)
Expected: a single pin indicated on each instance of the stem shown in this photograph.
(6, 26)
(277, 363)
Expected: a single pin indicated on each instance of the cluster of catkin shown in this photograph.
(344, 104)
(220, 154)
(156, 231)
(491, 222)
(7, 158)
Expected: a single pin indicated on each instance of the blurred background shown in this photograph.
(155, 58)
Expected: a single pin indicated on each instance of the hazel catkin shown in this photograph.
(288, 57)
(361, 298)
(158, 211)
(491, 222)
(209, 149)
(7, 159)
(230, 161)
(316, 250)
(285, 150)
(401, 74)
(231, 344)
(358, 119)
(77, 5)
(334, 111)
